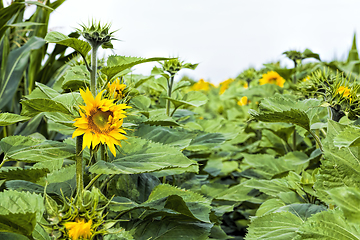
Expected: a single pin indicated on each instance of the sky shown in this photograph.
(224, 37)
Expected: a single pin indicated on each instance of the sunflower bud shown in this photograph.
(172, 66)
(97, 35)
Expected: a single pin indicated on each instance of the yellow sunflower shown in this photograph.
(225, 85)
(115, 89)
(201, 85)
(79, 229)
(100, 121)
(344, 91)
(272, 78)
(243, 101)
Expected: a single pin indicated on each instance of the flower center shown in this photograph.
(272, 80)
(101, 119)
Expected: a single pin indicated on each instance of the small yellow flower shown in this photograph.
(201, 85)
(100, 121)
(246, 85)
(115, 89)
(344, 91)
(306, 78)
(243, 101)
(79, 229)
(225, 85)
(272, 78)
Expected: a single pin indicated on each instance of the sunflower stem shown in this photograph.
(170, 85)
(79, 166)
(93, 69)
(103, 153)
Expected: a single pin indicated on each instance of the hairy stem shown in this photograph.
(93, 181)
(170, 85)
(93, 70)
(79, 165)
(317, 139)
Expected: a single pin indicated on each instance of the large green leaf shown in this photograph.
(166, 229)
(348, 199)
(21, 202)
(80, 46)
(75, 78)
(16, 63)
(39, 105)
(116, 64)
(329, 225)
(31, 174)
(350, 137)
(340, 167)
(193, 98)
(139, 156)
(10, 118)
(29, 149)
(21, 223)
(283, 109)
(274, 226)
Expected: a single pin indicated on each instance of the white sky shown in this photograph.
(225, 37)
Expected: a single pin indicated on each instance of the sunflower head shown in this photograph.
(243, 101)
(225, 85)
(272, 77)
(100, 121)
(201, 85)
(79, 229)
(116, 89)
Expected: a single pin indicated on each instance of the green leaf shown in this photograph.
(348, 199)
(116, 64)
(10, 118)
(170, 229)
(193, 98)
(39, 105)
(269, 206)
(22, 223)
(80, 46)
(12, 236)
(282, 109)
(40, 234)
(32, 174)
(28, 149)
(329, 225)
(275, 226)
(350, 137)
(139, 156)
(16, 63)
(13, 202)
(309, 54)
(75, 78)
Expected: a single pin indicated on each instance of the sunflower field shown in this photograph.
(90, 150)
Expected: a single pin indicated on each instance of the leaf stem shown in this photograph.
(93, 181)
(317, 139)
(3, 162)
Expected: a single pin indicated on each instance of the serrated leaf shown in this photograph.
(28, 149)
(350, 137)
(22, 203)
(117, 64)
(32, 174)
(170, 229)
(75, 78)
(193, 98)
(39, 105)
(10, 118)
(275, 226)
(21, 223)
(80, 46)
(348, 199)
(329, 225)
(139, 156)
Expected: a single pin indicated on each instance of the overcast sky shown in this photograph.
(225, 37)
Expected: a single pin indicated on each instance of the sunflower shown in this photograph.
(100, 121)
(79, 229)
(115, 89)
(272, 78)
(344, 91)
(243, 101)
(225, 85)
(201, 85)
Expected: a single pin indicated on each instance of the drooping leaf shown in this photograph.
(21, 223)
(139, 156)
(28, 149)
(11, 118)
(80, 46)
(116, 64)
(16, 63)
(32, 174)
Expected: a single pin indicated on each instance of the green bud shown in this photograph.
(172, 66)
(97, 35)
